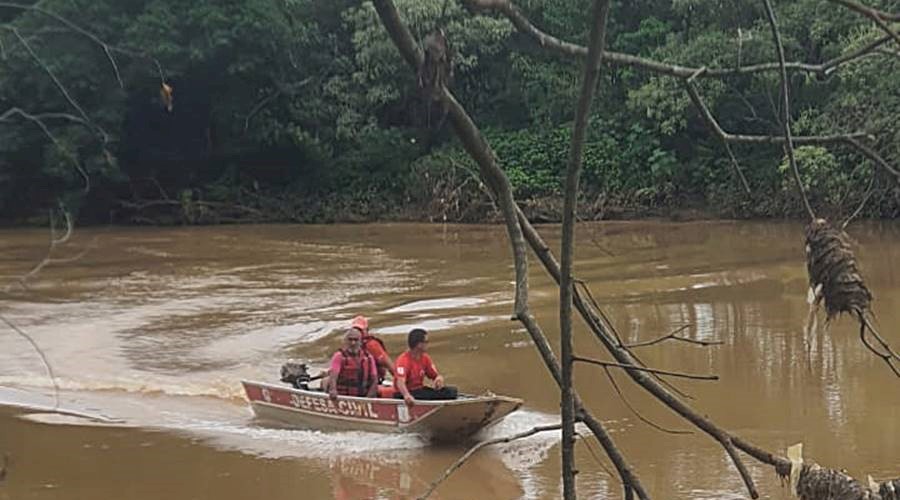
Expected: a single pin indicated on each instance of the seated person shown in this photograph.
(411, 369)
(353, 371)
(374, 346)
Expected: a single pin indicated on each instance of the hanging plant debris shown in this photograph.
(834, 279)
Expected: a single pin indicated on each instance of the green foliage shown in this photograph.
(309, 102)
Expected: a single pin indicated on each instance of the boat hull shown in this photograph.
(453, 420)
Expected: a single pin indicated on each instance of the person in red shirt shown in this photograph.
(411, 369)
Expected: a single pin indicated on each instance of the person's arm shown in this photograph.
(336, 361)
(433, 374)
(373, 372)
(386, 361)
(401, 386)
(381, 357)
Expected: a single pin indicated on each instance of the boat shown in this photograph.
(443, 421)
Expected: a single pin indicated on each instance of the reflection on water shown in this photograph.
(157, 326)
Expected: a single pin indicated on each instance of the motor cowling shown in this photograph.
(296, 374)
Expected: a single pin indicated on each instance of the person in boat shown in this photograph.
(374, 346)
(352, 371)
(411, 369)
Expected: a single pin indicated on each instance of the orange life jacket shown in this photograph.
(355, 377)
(382, 371)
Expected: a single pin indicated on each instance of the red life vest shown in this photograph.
(355, 377)
(382, 371)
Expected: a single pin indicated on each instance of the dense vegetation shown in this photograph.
(303, 110)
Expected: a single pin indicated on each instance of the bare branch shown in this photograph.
(36, 119)
(573, 174)
(567, 49)
(643, 369)
(636, 413)
(786, 108)
(62, 89)
(461, 460)
(43, 356)
(674, 336)
(875, 15)
(714, 126)
(645, 380)
(869, 191)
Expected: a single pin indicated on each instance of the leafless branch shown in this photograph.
(712, 124)
(9, 113)
(674, 336)
(108, 49)
(636, 413)
(567, 49)
(875, 15)
(40, 352)
(786, 108)
(862, 204)
(478, 148)
(629, 366)
(62, 89)
(573, 174)
(461, 460)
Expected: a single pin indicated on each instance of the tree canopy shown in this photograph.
(302, 110)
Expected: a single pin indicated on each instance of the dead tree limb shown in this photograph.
(508, 9)
(478, 148)
(644, 369)
(37, 120)
(569, 50)
(573, 174)
(728, 441)
(674, 336)
(108, 48)
(612, 380)
(875, 15)
(461, 460)
(40, 352)
(714, 126)
(786, 107)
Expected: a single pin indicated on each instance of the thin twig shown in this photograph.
(59, 146)
(875, 15)
(644, 369)
(713, 124)
(887, 357)
(43, 356)
(636, 413)
(786, 109)
(461, 460)
(567, 49)
(869, 191)
(674, 336)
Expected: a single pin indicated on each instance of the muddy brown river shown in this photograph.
(151, 331)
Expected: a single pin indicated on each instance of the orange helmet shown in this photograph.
(361, 324)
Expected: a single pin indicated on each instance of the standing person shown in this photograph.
(374, 346)
(352, 370)
(413, 366)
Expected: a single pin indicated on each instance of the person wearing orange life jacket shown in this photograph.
(352, 371)
(374, 346)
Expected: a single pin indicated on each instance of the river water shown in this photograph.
(152, 330)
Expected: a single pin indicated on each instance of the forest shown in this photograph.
(164, 112)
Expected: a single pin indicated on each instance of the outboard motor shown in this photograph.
(296, 374)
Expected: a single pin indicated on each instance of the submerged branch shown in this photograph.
(461, 460)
